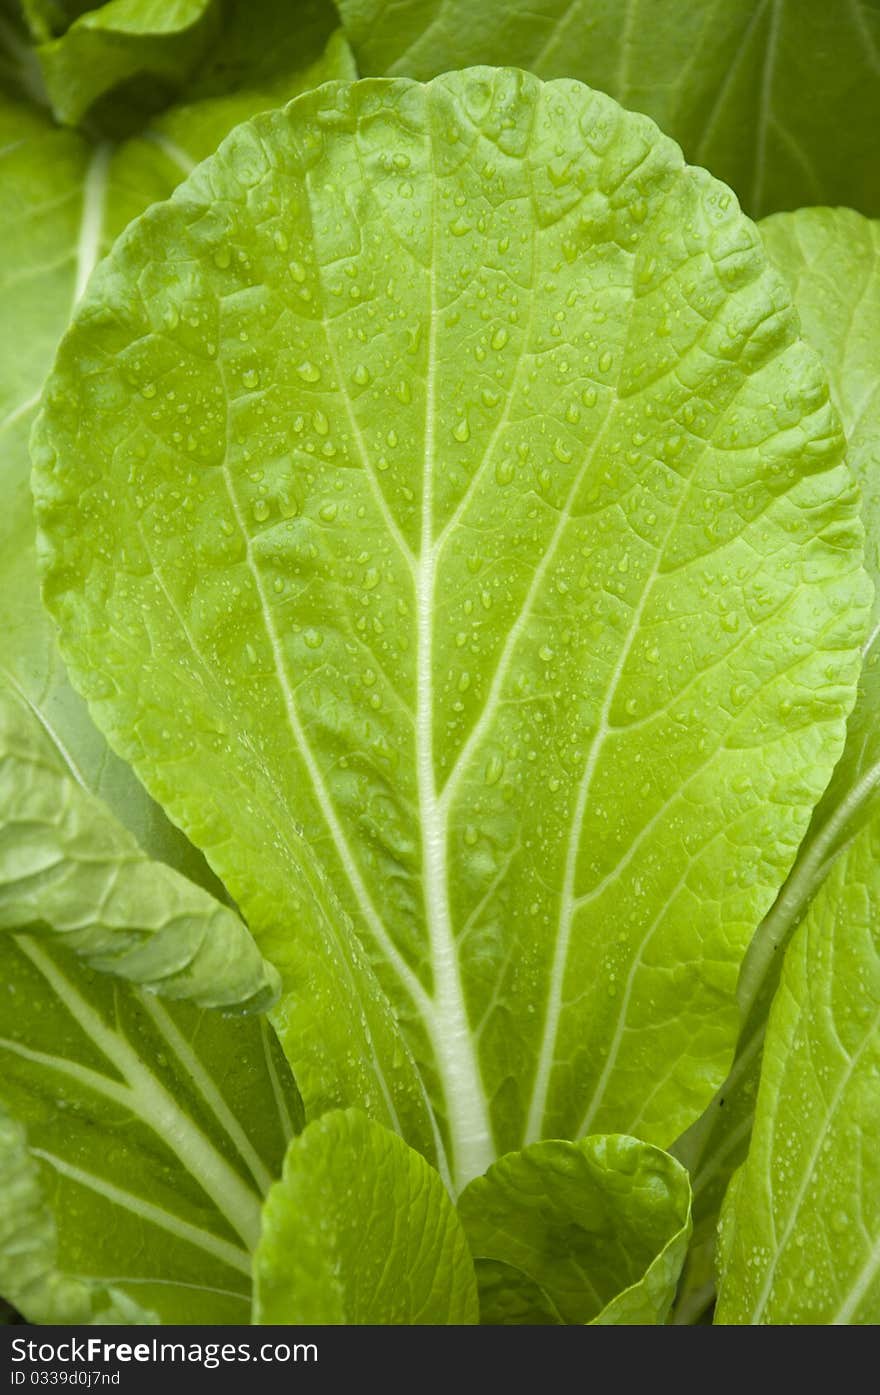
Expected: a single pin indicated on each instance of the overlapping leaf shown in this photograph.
(800, 1238)
(360, 1230)
(831, 261)
(64, 200)
(588, 1232)
(137, 1141)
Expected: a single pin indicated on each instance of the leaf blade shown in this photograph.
(390, 1248)
(799, 1228)
(595, 1232)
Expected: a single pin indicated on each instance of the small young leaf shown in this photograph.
(360, 1230)
(588, 1232)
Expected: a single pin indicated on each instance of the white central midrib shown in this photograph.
(91, 228)
(466, 1109)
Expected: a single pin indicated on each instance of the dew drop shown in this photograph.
(308, 371)
(493, 770)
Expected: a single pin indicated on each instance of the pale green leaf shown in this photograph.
(830, 258)
(780, 98)
(449, 460)
(800, 1237)
(588, 1232)
(360, 1231)
(137, 1143)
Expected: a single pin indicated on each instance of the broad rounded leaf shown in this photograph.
(588, 1232)
(360, 1230)
(449, 460)
(800, 1238)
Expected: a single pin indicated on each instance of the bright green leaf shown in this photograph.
(592, 1232)
(403, 447)
(138, 1141)
(360, 1230)
(780, 98)
(800, 1237)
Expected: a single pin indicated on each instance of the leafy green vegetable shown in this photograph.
(800, 1238)
(831, 261)
(594, 1231)
(67, 866)
(138, 1141)
(446, 517)
(388, 1246)
(404, 446)
(780, 98)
